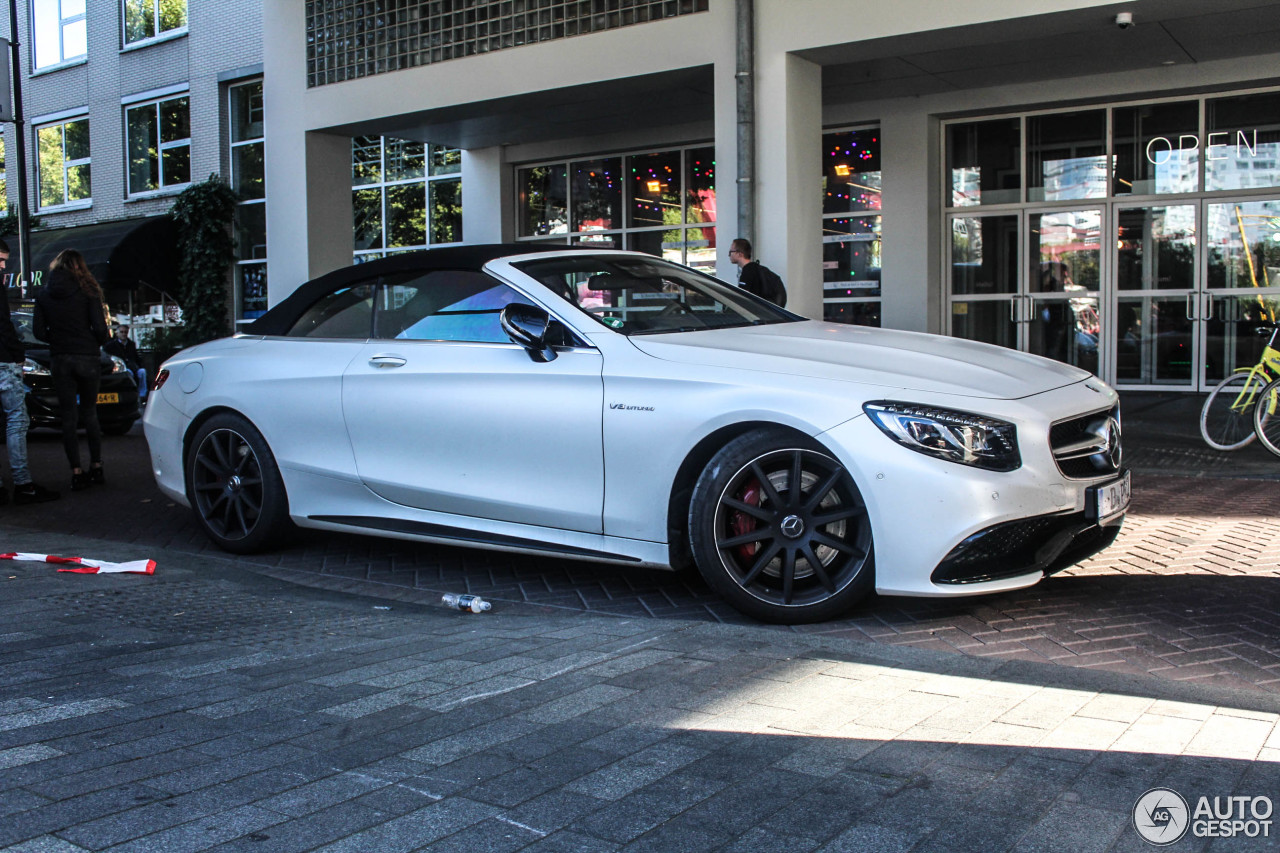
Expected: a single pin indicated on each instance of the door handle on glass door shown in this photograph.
(1190, 305)
(387, 361)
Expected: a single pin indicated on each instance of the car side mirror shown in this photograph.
(527, 325)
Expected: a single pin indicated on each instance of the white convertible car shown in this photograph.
(614, 407)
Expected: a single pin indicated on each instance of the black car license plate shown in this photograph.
(1110, 500)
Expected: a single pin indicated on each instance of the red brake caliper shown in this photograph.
(740, 522)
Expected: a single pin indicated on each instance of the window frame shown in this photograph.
(163, 189)
(383, 186)
(250, 264)
(157, 35)
(62, 22)
(61, 123)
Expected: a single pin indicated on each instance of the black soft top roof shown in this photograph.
(282, 317)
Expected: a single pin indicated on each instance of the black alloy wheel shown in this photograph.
(234, 485)
(781, 530)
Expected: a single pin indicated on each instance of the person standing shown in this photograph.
(13, 399)
(70, 315)
(123, 347)
(755, 277)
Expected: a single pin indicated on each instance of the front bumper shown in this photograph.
(1044, 544)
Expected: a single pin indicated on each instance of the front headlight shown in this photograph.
(118, 365)
(34, 368)
(947, 434)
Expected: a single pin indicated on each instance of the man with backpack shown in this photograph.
(755, 277)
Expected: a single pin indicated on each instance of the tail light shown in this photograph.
(161, 378)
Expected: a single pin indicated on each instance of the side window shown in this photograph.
(346, 313)
(446, 305)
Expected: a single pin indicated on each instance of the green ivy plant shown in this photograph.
(203, 214)
(9, 222)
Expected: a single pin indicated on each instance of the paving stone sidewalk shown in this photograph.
(210, 708)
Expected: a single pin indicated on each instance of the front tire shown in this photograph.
(778, 527)
(234, 485)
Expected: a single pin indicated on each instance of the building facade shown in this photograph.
(126, 103)
(1044, 176)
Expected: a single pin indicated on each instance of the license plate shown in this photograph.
(1106, 502)
(108, 398)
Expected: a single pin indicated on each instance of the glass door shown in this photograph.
(1061, 315)
(1154, 332)
(1241, 289)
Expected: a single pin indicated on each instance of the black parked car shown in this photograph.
(117, 393)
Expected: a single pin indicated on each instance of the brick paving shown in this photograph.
(207, 708)
(1189, 592)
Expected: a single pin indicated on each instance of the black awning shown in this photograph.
(122, 255)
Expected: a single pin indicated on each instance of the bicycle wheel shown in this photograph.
(1226, 420)
(1266, 417)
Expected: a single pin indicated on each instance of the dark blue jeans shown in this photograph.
(78, 375)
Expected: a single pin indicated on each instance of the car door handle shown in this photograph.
(387, 361)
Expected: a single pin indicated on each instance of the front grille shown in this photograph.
(1087, 446)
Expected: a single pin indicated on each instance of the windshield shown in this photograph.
(644, 296)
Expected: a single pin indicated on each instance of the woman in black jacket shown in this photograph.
(70, 315)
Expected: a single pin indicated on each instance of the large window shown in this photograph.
(405, 195)
(4, 183)
(148, 19)
(63, 169)
(58, 31)
(1140, 241)
(248, 178)
(159, 143)
(851, 192)
(660, 202)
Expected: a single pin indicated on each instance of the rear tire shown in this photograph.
(234, 486)
(1226, 419)
(778, 527)
(1266, 417)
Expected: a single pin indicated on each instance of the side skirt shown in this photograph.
(468, 537)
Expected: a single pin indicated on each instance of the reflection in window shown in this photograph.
(147, 19)
(984, 255)
(1243, 240)
(851, 184)
(345, 314)
(544, 200)
(1156, 248)
(159, 144)
(1066, 156)
(1065, 250)
(984, 160)
(1242, 142)
(851, 171)
(669, 199)
(59, 31)
(4, 196)
(395, 203)
(248, 178)
(596, 190)
(1156, 148)
(63, 168)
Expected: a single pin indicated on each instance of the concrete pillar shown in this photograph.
(726, 136)
(789, 171)
(488, 201)
(911, 285)
(309, 229)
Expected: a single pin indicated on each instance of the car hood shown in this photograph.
(902, 361)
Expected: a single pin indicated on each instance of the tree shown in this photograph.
(203, 214)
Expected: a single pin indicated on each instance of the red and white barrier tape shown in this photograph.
(85, 566)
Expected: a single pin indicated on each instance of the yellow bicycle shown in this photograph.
(1227, 418)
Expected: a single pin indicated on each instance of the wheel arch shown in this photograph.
(194, 427)
(691, 468)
